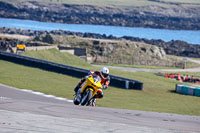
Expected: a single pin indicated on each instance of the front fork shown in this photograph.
(79, 95)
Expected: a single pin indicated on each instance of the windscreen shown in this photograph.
(96, 78)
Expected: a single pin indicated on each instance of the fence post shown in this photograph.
(127, 84)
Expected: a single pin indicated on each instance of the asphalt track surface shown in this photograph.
(28, 112)
(151, 70)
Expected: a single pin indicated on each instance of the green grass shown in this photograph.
(183, 1)
(55, 56)
(114, 3)
(157, 95)
(66, 58)
(111, 2)
(95, 2)
(35, 79)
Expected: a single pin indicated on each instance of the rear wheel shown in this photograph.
(87, 97)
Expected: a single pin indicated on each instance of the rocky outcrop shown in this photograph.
(6, 44)
(173, 47)
(179, 48)
(117, 51)
(46, 38)
(176, 17)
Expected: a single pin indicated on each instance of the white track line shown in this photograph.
(39, 93)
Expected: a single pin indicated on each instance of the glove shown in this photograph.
(87, 76)
(104, 87)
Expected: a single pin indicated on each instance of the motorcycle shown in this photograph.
(87, 91)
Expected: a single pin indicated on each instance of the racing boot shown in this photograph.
(93, 102)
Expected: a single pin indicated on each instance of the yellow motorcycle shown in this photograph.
(88, 90)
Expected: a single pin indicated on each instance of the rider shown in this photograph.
(105, 80)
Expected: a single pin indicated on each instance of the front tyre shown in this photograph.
(76, 101)
(87, 97)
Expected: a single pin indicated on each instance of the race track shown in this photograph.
(131, 69)
(27, 112)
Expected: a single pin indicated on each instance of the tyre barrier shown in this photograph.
(188, 90)
(116, 81)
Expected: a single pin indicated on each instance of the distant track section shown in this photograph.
(116, 81)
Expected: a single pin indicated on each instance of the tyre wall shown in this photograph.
(188, 90)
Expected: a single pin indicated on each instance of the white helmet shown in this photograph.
(104, 72)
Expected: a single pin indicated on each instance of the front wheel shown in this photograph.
(76, 102)
(87, 97)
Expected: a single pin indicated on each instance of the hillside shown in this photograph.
(115, 51)
(58, 57)
(178, 48)
(165, 14)
(111, 51)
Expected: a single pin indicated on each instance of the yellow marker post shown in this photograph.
(21, 46)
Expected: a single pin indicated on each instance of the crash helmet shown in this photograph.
(104, 72)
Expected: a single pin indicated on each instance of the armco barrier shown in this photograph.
(68, 70)
(187, 90)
